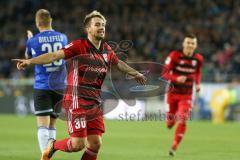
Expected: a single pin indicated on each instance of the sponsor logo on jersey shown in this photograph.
(181, 62)
(188, 70)
(98, 70)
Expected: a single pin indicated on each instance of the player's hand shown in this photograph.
(198, 88)
(22, 63)
(181, 79)
(140, 78)
(29, 34)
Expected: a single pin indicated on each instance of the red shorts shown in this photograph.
(179, 107)
(83, 122)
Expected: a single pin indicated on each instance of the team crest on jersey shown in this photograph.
(168, 60)
(194, 62)
(105, 56)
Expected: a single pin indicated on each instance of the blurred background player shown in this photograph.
(91, 59)
(49, 78)
(183, 70)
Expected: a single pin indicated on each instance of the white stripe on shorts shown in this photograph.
(43, 111)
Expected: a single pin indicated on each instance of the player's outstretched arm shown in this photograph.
(29, 36)
(140, 78)
(42, 59)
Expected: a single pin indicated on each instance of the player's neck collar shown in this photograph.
(45, 30)
(186, 55)
(100, 48)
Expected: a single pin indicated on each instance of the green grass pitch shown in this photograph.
(125, 140)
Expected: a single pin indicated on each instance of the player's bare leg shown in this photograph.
(43, 133)
(93, 147)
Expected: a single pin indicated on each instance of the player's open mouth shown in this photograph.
(101, 32)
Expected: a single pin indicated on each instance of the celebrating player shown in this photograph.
(91, 59)
(182, 69)
(46, 95)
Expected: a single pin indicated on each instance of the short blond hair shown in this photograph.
(91, 15)
(44, 17)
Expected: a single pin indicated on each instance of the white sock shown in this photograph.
(43, 137)
(52, 133)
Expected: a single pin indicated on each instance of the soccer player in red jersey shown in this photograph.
(183, 70)
(91, 58)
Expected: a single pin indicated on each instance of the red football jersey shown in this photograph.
(177, 64)
(87, 71)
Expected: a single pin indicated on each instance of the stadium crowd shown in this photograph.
(155, 27)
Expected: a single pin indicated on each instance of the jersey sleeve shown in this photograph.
(168, 68)
(28, 53)
(65, 41)
(199, 70)
(71, 50)
(113, 58)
